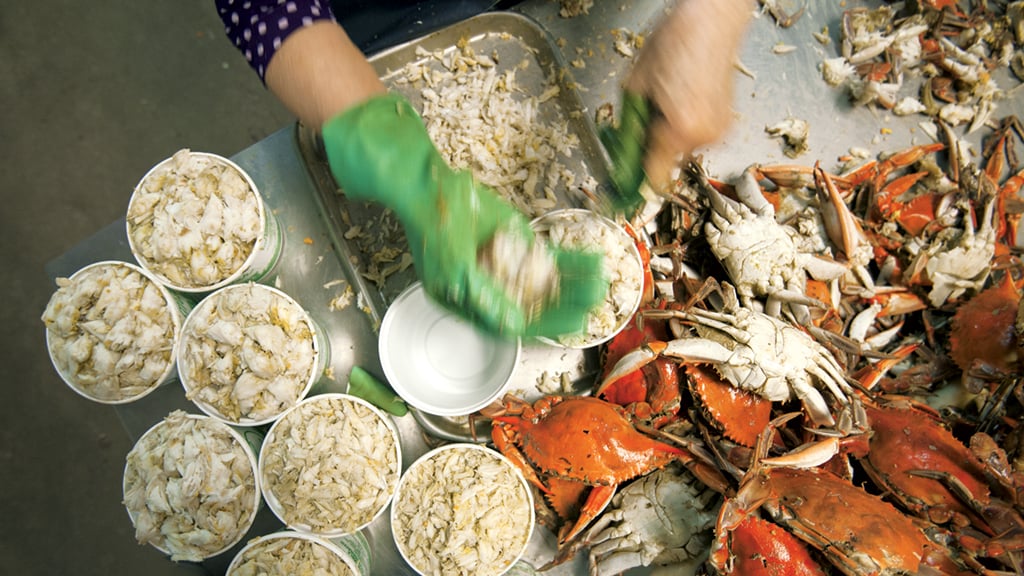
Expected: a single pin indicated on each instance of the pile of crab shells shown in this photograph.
(952, 51)
(194, 220)
(249, 352)
(914, 351)
(112, 331)
(190, 487)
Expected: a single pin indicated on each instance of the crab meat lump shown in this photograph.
(111, 332)
(524, 267)
(194, 220)
(190, 487)
(462, 511)
(247, 353)
(330, 465)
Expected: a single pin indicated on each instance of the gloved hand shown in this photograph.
(626, 143)
(380, 150)
(685, 75)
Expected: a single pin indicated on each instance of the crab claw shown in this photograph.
(844, 230)
(809, 455)
(597, 501)
(630, 363)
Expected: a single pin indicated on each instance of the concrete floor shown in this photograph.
(92, 95)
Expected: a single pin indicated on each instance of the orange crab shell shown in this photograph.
(850, 526)
(757, 547)
(983, 329)
(907, 440)
(741, 415)
(588, 440)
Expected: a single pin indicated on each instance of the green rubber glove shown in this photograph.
(626, 144)
(380, 151)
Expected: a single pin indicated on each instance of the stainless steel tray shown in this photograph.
(513, 38)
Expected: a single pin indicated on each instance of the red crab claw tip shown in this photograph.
(631, 362)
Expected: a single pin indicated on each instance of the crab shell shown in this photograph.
(905, 441)
(739, 414)
(756, 547)
(587, 440)
(651, 392)
(859, 533)
(576, 445)
(983, 329)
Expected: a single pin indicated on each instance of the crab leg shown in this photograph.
(630, 363)
(597, 500)
(503, 442)
(843, 228)
(809, 455)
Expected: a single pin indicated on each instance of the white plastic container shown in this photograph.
(177, 499)
(264, 555)
(249, 352)
(450, 500)
(330, 465)
(438, 362)
(197, 222)
(104, 333)
(580, 229)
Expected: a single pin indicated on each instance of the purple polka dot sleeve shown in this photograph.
(258, 27)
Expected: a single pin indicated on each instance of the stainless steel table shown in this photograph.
(309, 269)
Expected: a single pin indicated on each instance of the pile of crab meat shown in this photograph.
(583, 230)
(111, 331)
(190, 487)
(462, 510)
(194, 220)
(247, 353)
(288, 555)
(524, 267)
(481, 120)
(330, 465)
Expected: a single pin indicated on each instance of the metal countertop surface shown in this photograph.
(309, 270)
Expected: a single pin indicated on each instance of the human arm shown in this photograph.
(684, 73)
(319, 72)
(379, 150)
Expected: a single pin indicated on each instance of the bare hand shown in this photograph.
(686, 71)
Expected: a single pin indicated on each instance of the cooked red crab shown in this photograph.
(857, 532)
(574, 443)
(983, 331)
